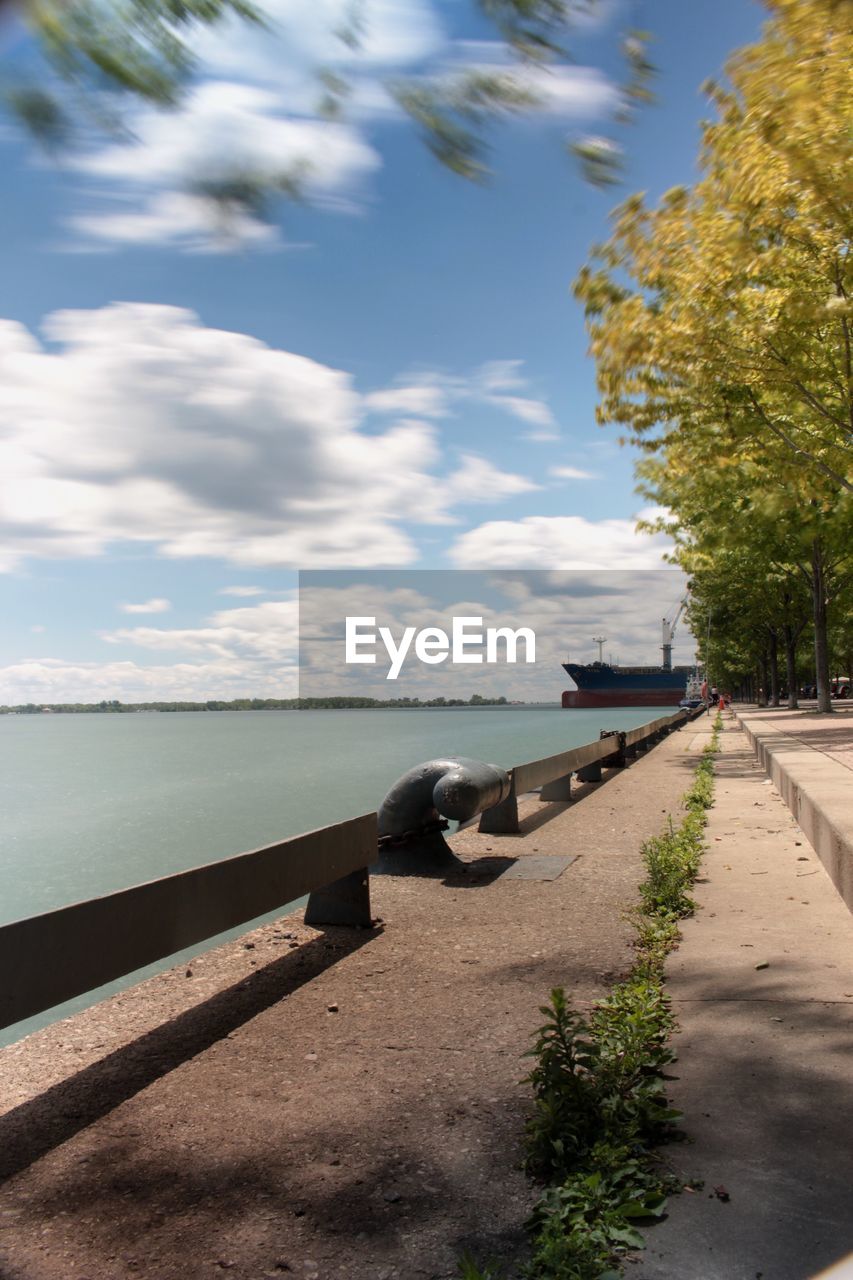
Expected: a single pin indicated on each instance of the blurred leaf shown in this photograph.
(600, 160)
(450, 113)
(41, 114)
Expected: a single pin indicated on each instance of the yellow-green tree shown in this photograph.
(749, 607)
(721, 321)
(738, 537)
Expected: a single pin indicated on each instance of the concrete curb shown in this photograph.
(817, 791)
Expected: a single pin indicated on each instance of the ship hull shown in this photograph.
(620, 698)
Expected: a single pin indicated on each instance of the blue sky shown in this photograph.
(391, 374)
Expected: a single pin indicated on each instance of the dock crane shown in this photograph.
(668, 630)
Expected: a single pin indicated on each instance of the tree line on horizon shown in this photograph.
(113, 706)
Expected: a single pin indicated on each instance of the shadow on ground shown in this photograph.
(784, 1208)
(31, 1130)
(414, 1203)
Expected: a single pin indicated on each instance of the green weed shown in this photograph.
(468, 1270)
(599, 1083)
(582, 1224)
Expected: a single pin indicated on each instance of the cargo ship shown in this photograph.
(599, 684)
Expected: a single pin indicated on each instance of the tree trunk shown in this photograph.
(762, 680)
(790, 638)
(774, 666)
(821, 645)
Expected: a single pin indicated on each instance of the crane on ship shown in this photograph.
(668, 634)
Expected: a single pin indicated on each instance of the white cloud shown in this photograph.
(570, 473)
(572, 93)
(145, 426)
(222, 132)
(255, 112)
(496, 376)
(298, 38)
(251, 651)
(424, 399)
(56, 680)
(178, 219)
(268, 631)
(157, 605)
(435, 394)
(243, 652)
(559, 542)
(222, 128)
(478, 480)
(242, 591)
(560, 90)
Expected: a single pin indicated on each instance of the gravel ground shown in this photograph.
(336, 1103)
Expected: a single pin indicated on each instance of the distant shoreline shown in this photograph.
(252, 704)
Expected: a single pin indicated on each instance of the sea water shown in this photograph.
(91, 803)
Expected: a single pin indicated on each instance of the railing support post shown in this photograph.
(343, 902)
(502, 819)
(620, 755)
(559, 789)
(590, 772)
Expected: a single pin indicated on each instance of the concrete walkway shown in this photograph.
(762, 986)
(810, 759)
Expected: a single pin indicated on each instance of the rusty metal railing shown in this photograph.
(53, 957)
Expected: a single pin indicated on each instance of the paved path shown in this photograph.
(832, 734)
(334, 1104)
(763, 989)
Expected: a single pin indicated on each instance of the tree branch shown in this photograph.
(797, 449)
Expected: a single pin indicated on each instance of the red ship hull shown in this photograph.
(619, 698)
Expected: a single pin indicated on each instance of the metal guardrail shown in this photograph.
(554, 773)
(61, 954)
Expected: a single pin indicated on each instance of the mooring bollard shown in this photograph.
(414, 814)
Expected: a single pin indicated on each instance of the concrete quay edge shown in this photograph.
(817, 789)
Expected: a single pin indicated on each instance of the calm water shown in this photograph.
(93, 803)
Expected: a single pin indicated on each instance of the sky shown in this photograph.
(390, 374)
